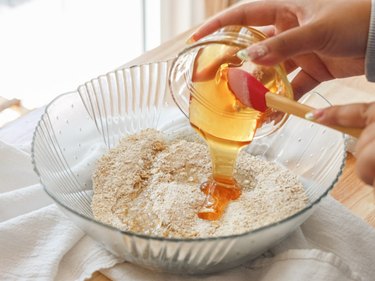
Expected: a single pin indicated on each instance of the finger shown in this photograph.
(303, 83)
(313, 72)
(268, 30)
(259, 13)
(367, 136)
(366, 161)
(290, 43)
(290, 66)
(351, 115)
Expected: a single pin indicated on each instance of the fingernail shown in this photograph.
(190, 40)
(193, 37)
(242, 54)
(314, 115)
(254, 52)
(310, 116)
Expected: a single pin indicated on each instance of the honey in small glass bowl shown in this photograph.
(199, 85)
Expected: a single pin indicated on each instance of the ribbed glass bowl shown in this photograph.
(78, 127)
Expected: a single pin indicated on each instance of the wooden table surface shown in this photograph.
(354, 194)
(349, 190)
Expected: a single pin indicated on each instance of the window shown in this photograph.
(49, 47)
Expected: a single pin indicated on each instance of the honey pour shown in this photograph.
(223, 121)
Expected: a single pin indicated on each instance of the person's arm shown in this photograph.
(370, 51)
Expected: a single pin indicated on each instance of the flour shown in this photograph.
(149, 184)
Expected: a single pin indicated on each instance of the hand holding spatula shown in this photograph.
(253, 93)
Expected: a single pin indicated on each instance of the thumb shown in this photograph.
(351, 115)
(282, 46)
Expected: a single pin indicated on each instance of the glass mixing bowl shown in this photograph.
(77, 128)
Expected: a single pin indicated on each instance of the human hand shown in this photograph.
(360, 115)
(326, 38)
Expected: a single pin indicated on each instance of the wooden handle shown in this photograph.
(292, 107)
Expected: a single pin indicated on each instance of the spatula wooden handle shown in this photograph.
(295, 108)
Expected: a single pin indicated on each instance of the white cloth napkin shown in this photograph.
(332, 244)
(37, 242)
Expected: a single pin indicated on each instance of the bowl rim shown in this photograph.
(171, 239)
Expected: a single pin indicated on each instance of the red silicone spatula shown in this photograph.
(252, 93)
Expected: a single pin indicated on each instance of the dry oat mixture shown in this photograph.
(150, 183)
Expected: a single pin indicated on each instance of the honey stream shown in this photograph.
(227, 126)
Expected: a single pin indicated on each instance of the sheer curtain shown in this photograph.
(179, 16)
(213, 7)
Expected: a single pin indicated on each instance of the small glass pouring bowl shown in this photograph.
(219, 48)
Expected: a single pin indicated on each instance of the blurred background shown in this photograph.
(49, 47)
